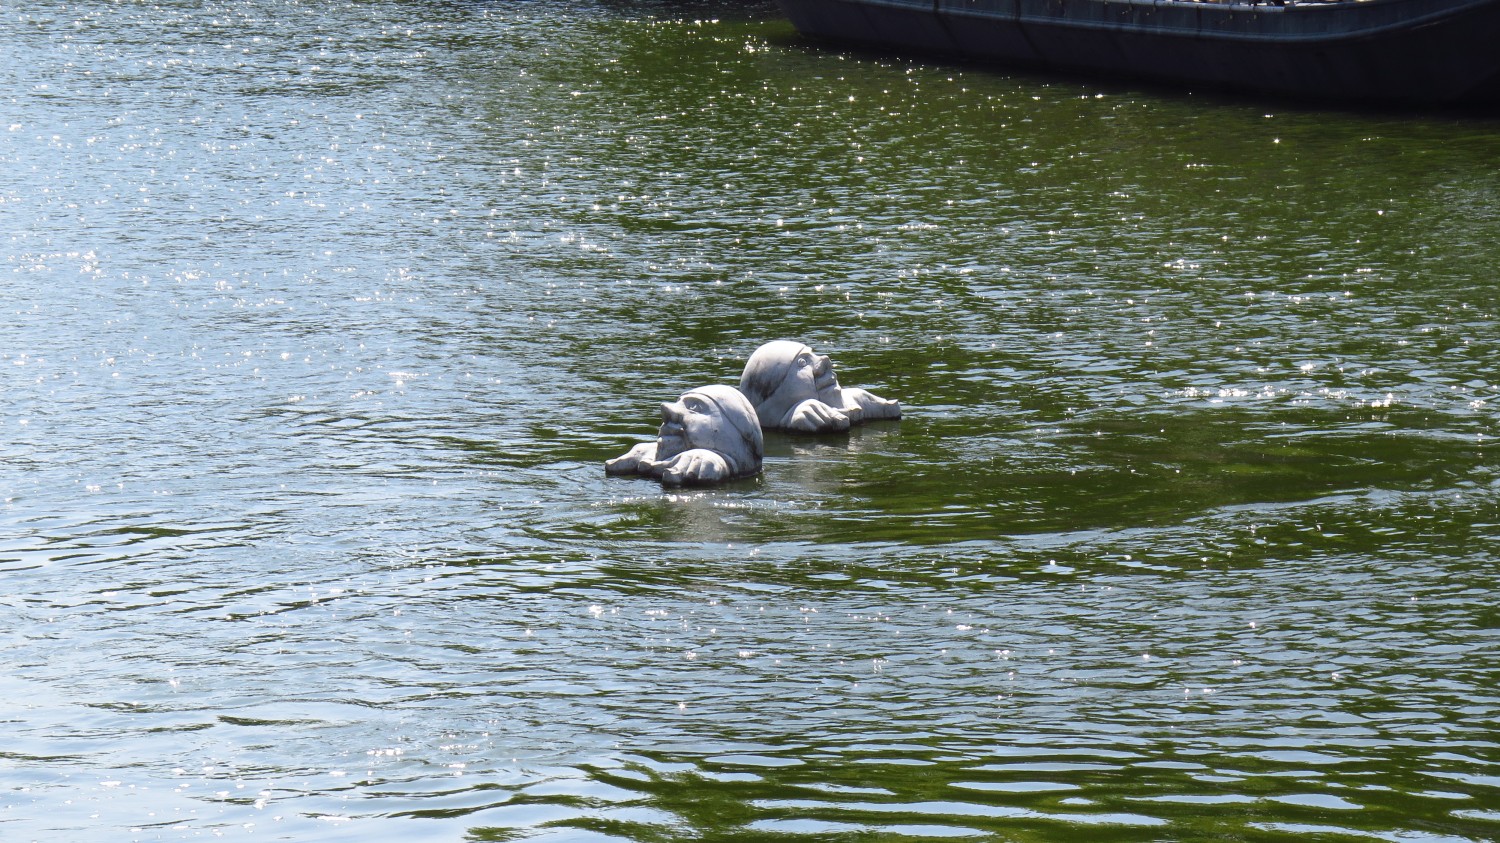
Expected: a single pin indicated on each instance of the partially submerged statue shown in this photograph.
(709, 435)
(794, 388)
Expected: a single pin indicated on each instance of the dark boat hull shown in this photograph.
(1393, 51)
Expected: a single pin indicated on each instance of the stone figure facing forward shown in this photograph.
(794, 388)
(709, 435)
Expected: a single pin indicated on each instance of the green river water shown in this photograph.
(318, 321)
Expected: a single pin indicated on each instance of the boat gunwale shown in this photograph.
(1329, 9)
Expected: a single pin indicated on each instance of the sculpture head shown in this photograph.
(782, 374)
(716, 418)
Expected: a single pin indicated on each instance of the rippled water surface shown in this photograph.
(318, 321)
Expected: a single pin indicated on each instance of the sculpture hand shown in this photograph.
(874, 406)
(813, 416)
(630, 462)
(692, 468)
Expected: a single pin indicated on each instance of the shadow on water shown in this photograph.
(1098, 471)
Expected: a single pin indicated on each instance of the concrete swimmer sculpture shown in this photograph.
(794, 388)
(709, 435)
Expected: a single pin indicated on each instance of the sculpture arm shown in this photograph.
(813, 416)
(637, 460)
(871, 406)
(695, 467)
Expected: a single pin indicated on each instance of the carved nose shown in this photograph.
(669, 411)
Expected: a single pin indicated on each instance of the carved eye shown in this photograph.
(695, 405)
(804, 360)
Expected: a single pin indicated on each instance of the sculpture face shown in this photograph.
(794, 388)
(715, 418)
(782, 374)
(691, 421)
(812, 376)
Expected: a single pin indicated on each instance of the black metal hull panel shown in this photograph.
(1399, 51)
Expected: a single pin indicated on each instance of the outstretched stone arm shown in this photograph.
(635, 461)
(813, 416)
(871, 406)
(694, 467)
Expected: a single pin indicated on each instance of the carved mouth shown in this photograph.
(823, 376)
(671, 437)
(670, 441)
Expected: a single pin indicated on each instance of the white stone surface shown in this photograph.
(709, 435)
(794, 388)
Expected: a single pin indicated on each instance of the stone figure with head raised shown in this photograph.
(709, 435)
(794, 388)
